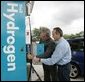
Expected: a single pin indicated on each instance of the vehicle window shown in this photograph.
(77, 45)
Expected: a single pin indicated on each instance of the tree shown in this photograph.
(72, 36)
(35, 34)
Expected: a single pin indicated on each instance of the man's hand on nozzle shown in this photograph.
(30, 56)
(36, 60)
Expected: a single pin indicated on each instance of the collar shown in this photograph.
(58, 41)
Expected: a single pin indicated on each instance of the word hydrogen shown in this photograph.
(9, 48)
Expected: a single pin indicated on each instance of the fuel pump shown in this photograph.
(13, 41)
(16, 40)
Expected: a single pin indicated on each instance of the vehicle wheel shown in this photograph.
(74, 71)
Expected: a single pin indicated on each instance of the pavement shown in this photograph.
(39, 70)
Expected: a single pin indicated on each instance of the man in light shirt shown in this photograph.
(61, 55)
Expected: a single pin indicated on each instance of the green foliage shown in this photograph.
(35, 34)
(71, 36)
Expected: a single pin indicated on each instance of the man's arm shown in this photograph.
(56, 56)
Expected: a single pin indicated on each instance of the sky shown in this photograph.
(68, 15)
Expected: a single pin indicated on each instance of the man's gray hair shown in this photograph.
(45, 30)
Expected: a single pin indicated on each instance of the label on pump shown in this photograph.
(13, 46)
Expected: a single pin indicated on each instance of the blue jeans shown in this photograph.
(64, 72)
